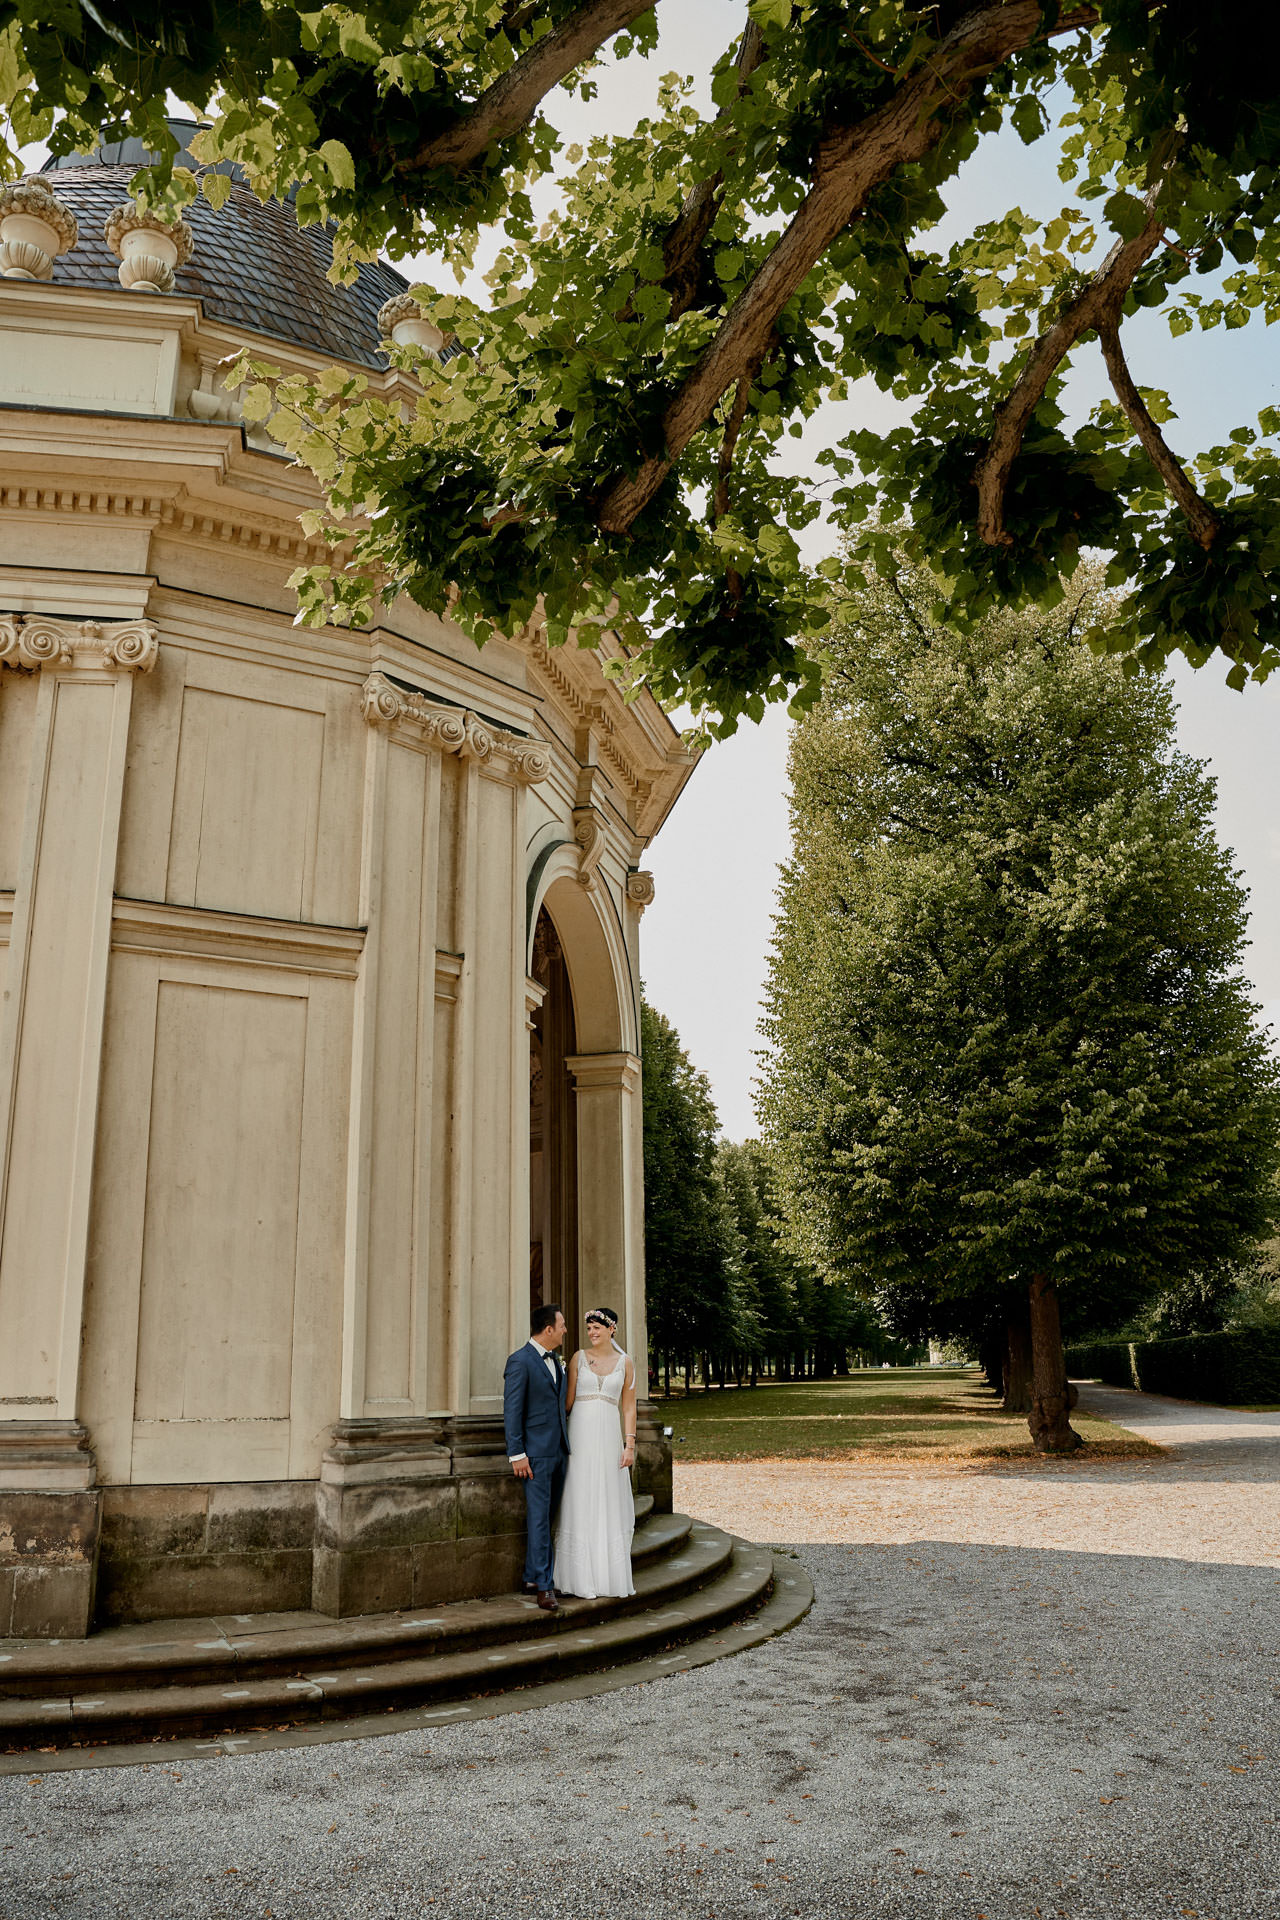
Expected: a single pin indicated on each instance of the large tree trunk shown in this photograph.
(1051, 1399)
(991, 1357)
(1017, 1371)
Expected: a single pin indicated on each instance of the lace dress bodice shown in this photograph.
(592, 1386)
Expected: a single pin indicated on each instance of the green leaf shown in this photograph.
(337, 159)
(1126, 213)
(216, 188)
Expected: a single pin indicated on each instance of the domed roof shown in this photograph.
(253, 266)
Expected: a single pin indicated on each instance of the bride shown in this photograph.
(597, 1512)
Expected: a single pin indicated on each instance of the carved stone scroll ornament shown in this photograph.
(640, 890)
(453, 730)
(112, 646)
(588, 831)
(526, 761)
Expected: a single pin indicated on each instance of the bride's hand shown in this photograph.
(628, 1456)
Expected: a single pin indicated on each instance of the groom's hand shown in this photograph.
(521, 1468)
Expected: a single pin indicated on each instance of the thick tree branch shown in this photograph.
(1204, 522)
(728, 446)
(1100, 301)
(505, 107)
(849, 164)
(682, 247)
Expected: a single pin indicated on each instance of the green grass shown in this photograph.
(899, 1413)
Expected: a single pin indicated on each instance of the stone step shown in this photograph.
(664, 1533)
(644, 1506)
(668, 1561)
(741, 1581)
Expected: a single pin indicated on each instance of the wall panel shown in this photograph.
(215, 1332)
(246, 805)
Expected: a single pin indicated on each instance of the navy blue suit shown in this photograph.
(533, 1413)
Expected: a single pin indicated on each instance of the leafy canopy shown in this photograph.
(608, 443)
(1009, 1032)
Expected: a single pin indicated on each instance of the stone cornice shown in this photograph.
(453, 730)
(181, 517)
(589, 712)
(102, 646)
(292, 946)
(635, 740)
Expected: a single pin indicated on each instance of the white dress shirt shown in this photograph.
(546, 1354)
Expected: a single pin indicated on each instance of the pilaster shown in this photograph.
(610, 1191)
(51, 1024)
(402, 976)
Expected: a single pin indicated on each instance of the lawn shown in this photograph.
(899, 1413)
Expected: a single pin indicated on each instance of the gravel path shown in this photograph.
(1216, 1497)
(968, 1726)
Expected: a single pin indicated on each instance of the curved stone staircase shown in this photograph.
(271, 1675)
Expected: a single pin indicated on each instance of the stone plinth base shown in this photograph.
(406, 1513)
(414, 1513)
(49, 1527)
(225, 1547)
(653, 1458)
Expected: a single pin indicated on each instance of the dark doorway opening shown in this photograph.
(553, 1134)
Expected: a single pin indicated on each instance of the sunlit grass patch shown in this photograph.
(924, 1413)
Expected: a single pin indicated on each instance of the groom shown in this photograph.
(533, 1411)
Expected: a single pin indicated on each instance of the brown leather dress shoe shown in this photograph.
(548, 1602)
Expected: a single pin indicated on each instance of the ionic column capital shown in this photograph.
(453, 730)
(34, 640)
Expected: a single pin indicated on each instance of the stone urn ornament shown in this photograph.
(148, 247)
(34, 229)
(404, 321)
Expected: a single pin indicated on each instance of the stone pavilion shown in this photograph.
(319, 965)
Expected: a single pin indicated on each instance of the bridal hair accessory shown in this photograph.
(603, 1317)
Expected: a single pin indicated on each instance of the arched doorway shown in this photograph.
(553, 1131)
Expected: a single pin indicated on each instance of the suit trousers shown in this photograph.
(541, 1502)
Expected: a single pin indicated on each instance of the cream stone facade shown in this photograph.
(319, 973)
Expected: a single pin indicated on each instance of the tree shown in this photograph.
(1015, 1068)
(692, 1250)
(601, 457)
(744, 1170)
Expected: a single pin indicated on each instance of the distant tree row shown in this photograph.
(726, 1300)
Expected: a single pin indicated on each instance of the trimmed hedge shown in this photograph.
(1240, 1367)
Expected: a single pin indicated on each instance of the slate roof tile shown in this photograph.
(253, 266)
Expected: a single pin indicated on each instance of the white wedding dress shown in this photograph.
(597, 1511)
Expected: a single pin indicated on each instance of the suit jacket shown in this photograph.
(533, 1410)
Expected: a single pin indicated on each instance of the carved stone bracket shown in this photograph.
(111, 646)
(588, 831)
(640, 889)
(454, 730)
